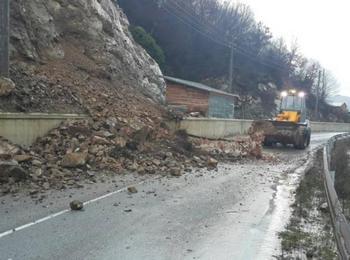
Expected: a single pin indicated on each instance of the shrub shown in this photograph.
(148, 43)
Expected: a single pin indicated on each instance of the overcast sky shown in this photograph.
(321, 28)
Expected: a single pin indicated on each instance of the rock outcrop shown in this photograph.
(43, 30)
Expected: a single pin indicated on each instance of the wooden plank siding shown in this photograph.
(194, 99)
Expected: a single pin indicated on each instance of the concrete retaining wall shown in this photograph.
(220, 128)
(24, 129)
(215, 128)
(330, 127)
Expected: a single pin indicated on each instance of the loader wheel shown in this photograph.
(267, 143)
(308, 139)
(301, 142)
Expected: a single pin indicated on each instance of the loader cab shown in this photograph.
(291, 102)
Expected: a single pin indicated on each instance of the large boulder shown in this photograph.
(11, 169)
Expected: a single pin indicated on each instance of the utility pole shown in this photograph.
(4, 37)
(231, 68)
(324, 81)
(318, 95)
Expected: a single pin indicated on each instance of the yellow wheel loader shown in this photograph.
(291, 125)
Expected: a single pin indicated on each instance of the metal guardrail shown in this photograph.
(341, 227)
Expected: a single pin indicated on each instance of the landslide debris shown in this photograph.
(79, 57)
(84, 151)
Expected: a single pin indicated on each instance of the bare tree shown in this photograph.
(329, 85)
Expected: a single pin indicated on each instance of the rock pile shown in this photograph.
(236, 148)
(83, 151)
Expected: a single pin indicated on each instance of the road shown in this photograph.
(232, 213)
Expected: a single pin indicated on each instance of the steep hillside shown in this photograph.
(64, 53)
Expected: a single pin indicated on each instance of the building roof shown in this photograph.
(199, 86)
(338, 104)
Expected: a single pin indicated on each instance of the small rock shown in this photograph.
(99, 140)
(108, 134)
(197, 159)
(5, 156)
(37, 173)
(36, 163)
(169, 155)
(120, 141)
(132, 145)
(76, 205)
(310, 254)
(323, 207)
(132, 189)
(72, 160)
(127, 210)
(91, 173)
(141, 170)
(46, 185)
(212, 163)
(7, 86)
(142, 135)
(176, 172)
(111, 122)
(133, 167)
(156, 162)
(22, 158)
(33, 192)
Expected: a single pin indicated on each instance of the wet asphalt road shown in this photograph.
(232, 213)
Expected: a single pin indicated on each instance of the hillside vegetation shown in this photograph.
(196, 36)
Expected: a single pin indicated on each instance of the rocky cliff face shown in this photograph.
(55, 30)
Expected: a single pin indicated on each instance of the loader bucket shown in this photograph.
(276, 131)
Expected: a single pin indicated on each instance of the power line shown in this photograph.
(192, 19)
(198, 26)
(195, 28)
(195, 16)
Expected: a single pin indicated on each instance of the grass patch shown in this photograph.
(292, 239)
(309, 231)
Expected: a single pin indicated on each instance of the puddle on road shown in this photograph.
(263, 238)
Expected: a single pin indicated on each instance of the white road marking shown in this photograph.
(11, 231)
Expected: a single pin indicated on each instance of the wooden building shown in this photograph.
(196, 97)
